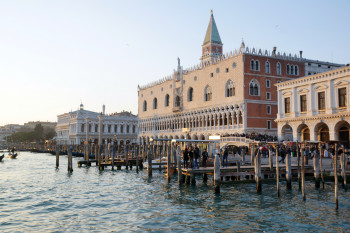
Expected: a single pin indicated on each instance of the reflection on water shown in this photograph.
(37, 197)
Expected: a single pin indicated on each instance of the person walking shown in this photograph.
(191, 156)
(196, 157)
(225, 157)
(204, 158)
(185, 156)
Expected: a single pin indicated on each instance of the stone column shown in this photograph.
(237, 115)
(100, 122)
(87, 129)
(280, 106)
(233, 119)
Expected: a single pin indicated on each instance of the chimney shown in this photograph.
(274, 51)
(103, 109)
(301, 54)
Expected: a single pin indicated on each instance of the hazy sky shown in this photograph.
(53, 54)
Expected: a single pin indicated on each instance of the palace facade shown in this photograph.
(225, 94)
(82, 125)
(315, 107)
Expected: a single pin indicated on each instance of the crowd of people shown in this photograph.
(255, 136)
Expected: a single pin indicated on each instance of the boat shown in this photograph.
(155, 163)
(1, 157)
(12, 156)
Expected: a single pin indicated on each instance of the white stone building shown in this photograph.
(315, 107)
(81, 125)
(315, 66)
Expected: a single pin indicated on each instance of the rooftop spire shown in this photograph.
(212, 34)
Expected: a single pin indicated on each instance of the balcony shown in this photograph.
(176, 109)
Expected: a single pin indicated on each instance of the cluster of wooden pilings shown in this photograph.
(239, 169)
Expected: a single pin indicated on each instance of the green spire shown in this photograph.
(212, 34)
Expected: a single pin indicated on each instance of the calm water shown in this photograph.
(37, 197)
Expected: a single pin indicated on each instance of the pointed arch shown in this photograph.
(267, 67)
(229, 88)
(155, 103)
(254, 87)
(278, 68)
(207, 93)
(190, 94)
(144, 105)
(167, 100)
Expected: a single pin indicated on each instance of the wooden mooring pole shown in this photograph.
(336, 176)
(169, 152)
(277, 173)
(179, 168)
(321, 155)
(217, 174)
(252, 155)
(270, 159)
(316, 170)
(257, 166)
(303, 175)
(288, 171)
(298, 161)
(343, 169)
(70, 161)
(57, 156)
(150, 152)
(113, 157)
(137, 158)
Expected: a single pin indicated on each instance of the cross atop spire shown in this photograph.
(212, 45)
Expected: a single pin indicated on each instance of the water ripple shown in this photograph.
(37, 197)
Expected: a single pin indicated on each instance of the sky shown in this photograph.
(56, 54)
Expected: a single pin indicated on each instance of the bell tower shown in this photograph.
(212, 45)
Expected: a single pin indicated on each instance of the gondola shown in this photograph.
(12, 156)
(1, 157)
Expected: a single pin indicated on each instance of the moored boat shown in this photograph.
(1, 157)
(13, 156)
(155, 163)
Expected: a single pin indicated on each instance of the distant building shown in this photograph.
(46, 124)
(8, 130)
(77, 126)
(224, 94)
(315, 107)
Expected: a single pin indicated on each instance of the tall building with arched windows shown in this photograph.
(226, 93)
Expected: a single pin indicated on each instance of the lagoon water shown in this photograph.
(37, 197)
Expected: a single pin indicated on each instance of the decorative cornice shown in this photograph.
(317, 117)
(315, 78)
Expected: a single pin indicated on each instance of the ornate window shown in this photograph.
(342, 97)
(207, 94)
(96, 128)
(321, 100)
(303, 103)
(278, 66)
(190, 94)
(127, 128)
(257, 65)
(296, 70)
(254, 88)
(288, 69)
(145, 106)
(267, 67)
(268, 83)
(252, 65)
(230, 88)
(82, 128)
(287, 105)
(177, 101)
(133, 129)
(167, 100)
(291, 69)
